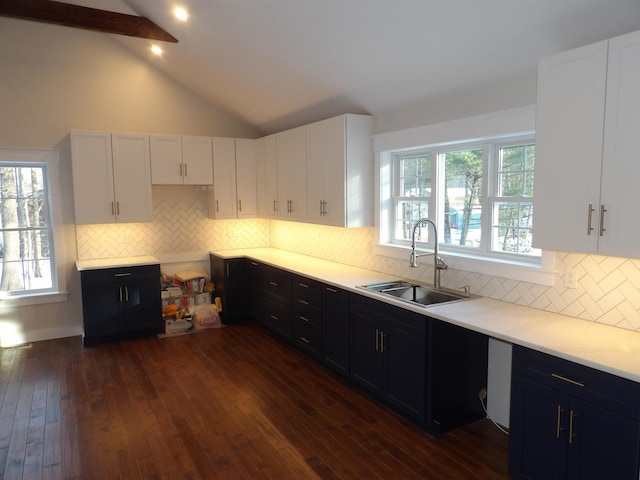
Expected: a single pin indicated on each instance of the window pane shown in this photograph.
(512, 229)
(408, 212)
(515, 171)
(415, 176)
(25, 249)
(462, 197)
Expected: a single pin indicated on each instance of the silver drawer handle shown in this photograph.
(273, 283)
(304, 302)
(568, 380)
(275, 317)
(305, 319)
(305, 340)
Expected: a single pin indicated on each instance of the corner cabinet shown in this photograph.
(234, 179)
(340, 171)
(586, 129)
(111, 177)
(120, 303)
(569, 421)
(181, 160)
(320, 173)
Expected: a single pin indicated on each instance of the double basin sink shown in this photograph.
(414, 293)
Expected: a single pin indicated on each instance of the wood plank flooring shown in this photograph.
(230, 403)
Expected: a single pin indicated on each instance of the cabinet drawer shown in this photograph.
(307, 336)
(307, 313)
(307, 291)
(146, 272)
(277, 316)
(595, 386)
(277, 283)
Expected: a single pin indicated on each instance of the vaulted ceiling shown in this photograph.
(281, 63)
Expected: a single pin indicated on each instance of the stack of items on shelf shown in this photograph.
(186, 302)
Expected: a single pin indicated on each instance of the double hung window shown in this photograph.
(480, 196)
(27, 260)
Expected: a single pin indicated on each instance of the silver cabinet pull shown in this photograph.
(602, 229)
(332, 290)
(121, 274)
(275, 205)
(118, 208)
(305, 340)
(113, 208)
(303, 285)
(568, 380)
(571, 433)
(217, 206)
(240, 205)
(590, 211)
(382, 335)
(274, 317)
(126, 293)
(186, 171)
(273, 283)
(377, 340)
(181, 172)
(120, 290)
(304, 302)
(304, 319)
(559, 419)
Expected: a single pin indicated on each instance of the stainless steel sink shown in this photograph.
(415, 293)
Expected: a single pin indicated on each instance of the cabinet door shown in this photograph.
(404, 356)
(335, 329)
(132, 177)
(141, 300)
(268, 177)
(254, 283)
(224, 179)
(569, 126)
(620, 168)
(246, 177)
(197, 157)
(539, 431)
(166, 159)
(366, 360)
(92, 177)
(603, 445)
(319, 162)
(101, 308)
(292, 173)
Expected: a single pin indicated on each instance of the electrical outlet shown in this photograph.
(570, 278)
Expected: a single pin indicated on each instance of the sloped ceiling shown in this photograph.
(282, 63)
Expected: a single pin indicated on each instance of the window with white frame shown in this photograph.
(479, 194)
(27, 263)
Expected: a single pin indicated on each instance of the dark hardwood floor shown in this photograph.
(230, 403)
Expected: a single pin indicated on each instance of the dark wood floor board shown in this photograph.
(229, 403)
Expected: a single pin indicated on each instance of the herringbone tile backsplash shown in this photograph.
(607, 289)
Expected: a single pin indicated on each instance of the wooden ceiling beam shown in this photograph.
(84, 17)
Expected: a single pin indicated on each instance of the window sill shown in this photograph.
(543, 274)
(34, 299)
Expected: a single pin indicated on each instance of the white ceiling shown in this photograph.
(281, 63)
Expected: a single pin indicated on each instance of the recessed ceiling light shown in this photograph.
(181, 14)
(156, 49)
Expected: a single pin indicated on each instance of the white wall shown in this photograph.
(53, 79)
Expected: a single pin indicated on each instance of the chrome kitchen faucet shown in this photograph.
(438, 263)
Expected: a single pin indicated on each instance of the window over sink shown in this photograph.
(474, 178)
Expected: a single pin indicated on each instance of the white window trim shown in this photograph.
(508, 123)
(59, 294)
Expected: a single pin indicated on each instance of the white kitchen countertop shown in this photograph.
(118, 262)
(610, 349)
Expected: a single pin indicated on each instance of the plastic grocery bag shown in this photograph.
(205, 316)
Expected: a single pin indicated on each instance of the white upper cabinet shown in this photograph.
(178, 160)
(586, 129)
(222, 204)
(267, 176)
(340, 171)
(111, 177)
(292, 174)
(246, 188)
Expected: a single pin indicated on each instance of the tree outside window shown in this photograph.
(25, 228)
